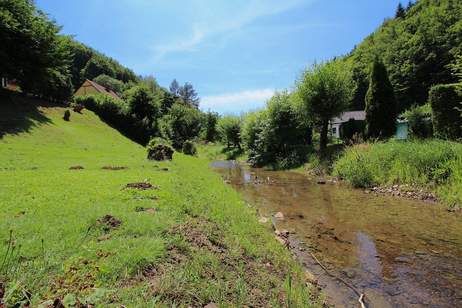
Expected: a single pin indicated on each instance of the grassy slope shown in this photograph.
(201, 245)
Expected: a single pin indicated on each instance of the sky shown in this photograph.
(235, 53)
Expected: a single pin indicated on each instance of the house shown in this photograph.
(336, 123)
(10, 84)
(91, 87)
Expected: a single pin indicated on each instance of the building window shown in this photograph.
(334, 130)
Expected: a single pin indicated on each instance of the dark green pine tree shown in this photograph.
(400, 11)
(380, 103)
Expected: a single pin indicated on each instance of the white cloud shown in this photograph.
(223, 21)
(237, 101)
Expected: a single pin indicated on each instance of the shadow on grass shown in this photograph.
(19, 113)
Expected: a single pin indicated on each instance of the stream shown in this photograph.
(398, 252)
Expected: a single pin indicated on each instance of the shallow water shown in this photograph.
(400, 253)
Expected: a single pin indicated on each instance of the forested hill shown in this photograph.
(418, 47)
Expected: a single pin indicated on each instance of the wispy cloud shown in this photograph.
(223, 21)
(237, 101)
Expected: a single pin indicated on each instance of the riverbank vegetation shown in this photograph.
(434, 165)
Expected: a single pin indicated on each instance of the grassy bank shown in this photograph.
(434, 165)
(81, 236)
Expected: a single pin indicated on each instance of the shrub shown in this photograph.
(445, 102)
(67, 115)
(159, 149)
(352, 129)
(419, 121)
(229, 128)
(189, 148)
(115, 113)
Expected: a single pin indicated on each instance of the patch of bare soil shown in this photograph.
(109, 222)
(149, 210)
(76, 168)
(115, 168)
(141, 186)
(260, 276)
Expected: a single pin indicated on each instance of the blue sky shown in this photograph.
(235, 53)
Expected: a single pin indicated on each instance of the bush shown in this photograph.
(277, 136)
(445, 102)
(115, 113)
(189, 148)
(419, 121)
(181, 123)
(229, 128)
(67, 115)
(159, 149)
(432, 164)
(352, 129)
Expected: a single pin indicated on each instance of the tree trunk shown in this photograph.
(323, 137)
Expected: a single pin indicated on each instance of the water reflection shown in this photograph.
(400, 252)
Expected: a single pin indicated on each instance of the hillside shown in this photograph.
(80, 236)
(418, 47)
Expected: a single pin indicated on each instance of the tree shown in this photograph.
(445, 103)
(174, 87)
(141, 103)
(210, 127)
(230, 131)
(381, 108)
(277, 136)
(189, 95)
(110, 83)
(181, 123)
(32, 52)
(97, 66)
(324, 92)
(400, 11)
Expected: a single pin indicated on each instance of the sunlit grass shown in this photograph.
(61, 251)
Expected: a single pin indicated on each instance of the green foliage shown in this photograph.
(380, 103)
(210, 126)
(445, 102)
(142, 104)
(420, 121)
(181, 123)
(116, 113)
(189, 148)
(229, 128)
(278, 136)
(110, 83)
(32, 52)
(352, 129)
(432, 164)
(325, 91)
(416, 50)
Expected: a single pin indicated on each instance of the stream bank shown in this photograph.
(398, 252)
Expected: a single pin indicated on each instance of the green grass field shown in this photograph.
(189, 242)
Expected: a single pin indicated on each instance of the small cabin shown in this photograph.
(90, 87)
(336, 123)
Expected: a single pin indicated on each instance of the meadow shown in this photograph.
(72, 231)
(434, 165)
